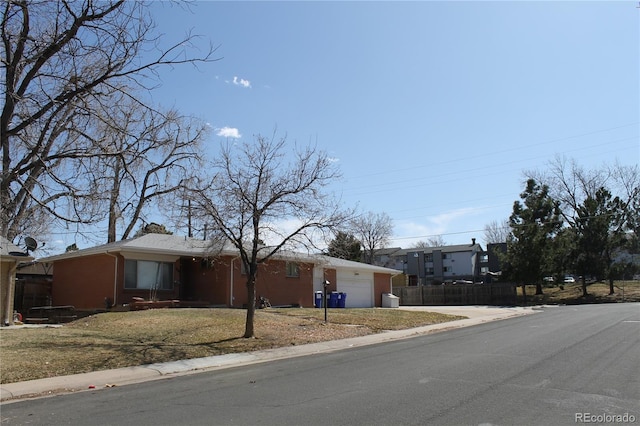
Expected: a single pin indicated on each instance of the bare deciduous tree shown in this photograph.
(570, 184)
(496, 232)
(373, 230)
(61, 62)
(434, 241)
(422, 244)
(266, 198)
(154, 154)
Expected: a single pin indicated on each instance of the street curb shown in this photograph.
(12, 392)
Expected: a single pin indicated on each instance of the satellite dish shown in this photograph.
(30, 243)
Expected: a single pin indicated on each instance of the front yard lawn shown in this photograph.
(122, 339)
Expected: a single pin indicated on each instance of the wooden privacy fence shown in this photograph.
(501, 294)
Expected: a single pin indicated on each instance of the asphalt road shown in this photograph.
(567, 365)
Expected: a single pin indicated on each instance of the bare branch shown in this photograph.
(64, 63)
(373, 230)
(267, 198)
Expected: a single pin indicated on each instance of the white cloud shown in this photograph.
(241, 82)
(444, 220)
(453, 226)
(228, 132)
(273, 233)
(408, 232)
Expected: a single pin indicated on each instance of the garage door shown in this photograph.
(359, 293)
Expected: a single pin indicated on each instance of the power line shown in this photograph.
(437, 235)
(496, 168)
(503, 151)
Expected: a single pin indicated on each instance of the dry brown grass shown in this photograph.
(570, 294)
(121, 339)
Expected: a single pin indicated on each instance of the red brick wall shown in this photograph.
(272, 282)
(239, 285)
(220, 291)
(205, 281)
(283, 290)
(83, 282)
(212, 285)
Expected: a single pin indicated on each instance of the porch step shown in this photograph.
(36, 320)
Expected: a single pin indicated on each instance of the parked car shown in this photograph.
(569, 279)
(549, 279)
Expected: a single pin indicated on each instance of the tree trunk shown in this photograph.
(611, 286)
(538, 289)
(524, 294)
(584, 287)
(251, 307)
(113, 203)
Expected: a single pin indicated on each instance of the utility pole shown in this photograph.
(189, 232)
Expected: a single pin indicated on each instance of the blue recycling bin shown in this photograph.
(342, 299)
(333, 300)
(318, 299)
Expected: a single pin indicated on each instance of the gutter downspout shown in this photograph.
(391, 280)
(231, 283)
(115, 278)
(8, 319)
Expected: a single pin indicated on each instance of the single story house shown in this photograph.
(11, 256)
(170, 267)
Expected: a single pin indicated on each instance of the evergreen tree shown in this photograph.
(345, 246)
(599, 234)
(152, 228)
(534, 223)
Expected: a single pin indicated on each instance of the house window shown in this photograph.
(447, 269)
(428, 257)
(446, 256)
(429, 270)
(148, 275)
(293, 269)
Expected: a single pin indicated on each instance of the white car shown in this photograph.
(569, 279)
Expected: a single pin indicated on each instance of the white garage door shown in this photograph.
(359, 293)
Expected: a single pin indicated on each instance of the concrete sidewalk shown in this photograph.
(123, 376)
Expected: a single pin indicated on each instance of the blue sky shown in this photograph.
(432, 109)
